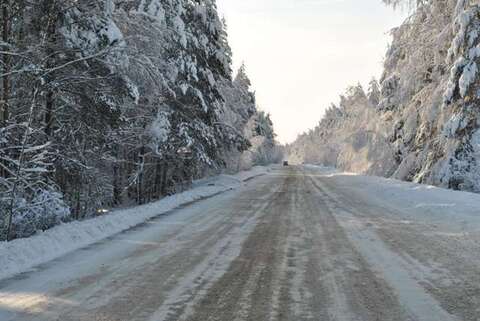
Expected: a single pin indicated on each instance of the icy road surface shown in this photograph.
(301, 243)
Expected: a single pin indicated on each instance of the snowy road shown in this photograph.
(300, 243)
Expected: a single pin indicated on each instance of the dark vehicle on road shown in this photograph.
(285, 163)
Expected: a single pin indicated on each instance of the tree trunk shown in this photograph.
(158, 180)
(117, 173)
(50, 51)
(49, 105)
(4, 107)
(163, 188)
(140, 191)
(131, 172)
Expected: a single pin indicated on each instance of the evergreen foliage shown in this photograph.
(111, 102)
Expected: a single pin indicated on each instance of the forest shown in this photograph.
(110, 103)
(420, 122)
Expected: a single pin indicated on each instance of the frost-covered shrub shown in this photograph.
(45, 210)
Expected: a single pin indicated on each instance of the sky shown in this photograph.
(302, 54)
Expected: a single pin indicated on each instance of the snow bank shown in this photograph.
(23, 254)
(413, 201)
(425, 202)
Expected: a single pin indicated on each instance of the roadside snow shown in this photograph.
(413, 201)
(22, 255)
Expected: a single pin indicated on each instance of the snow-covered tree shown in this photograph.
(241, 113)
(425, 127)
(107, 102)
(374, 92)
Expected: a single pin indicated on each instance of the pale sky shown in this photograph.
(302, 54)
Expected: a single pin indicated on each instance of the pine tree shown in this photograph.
(115, 102)
(374, 93)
